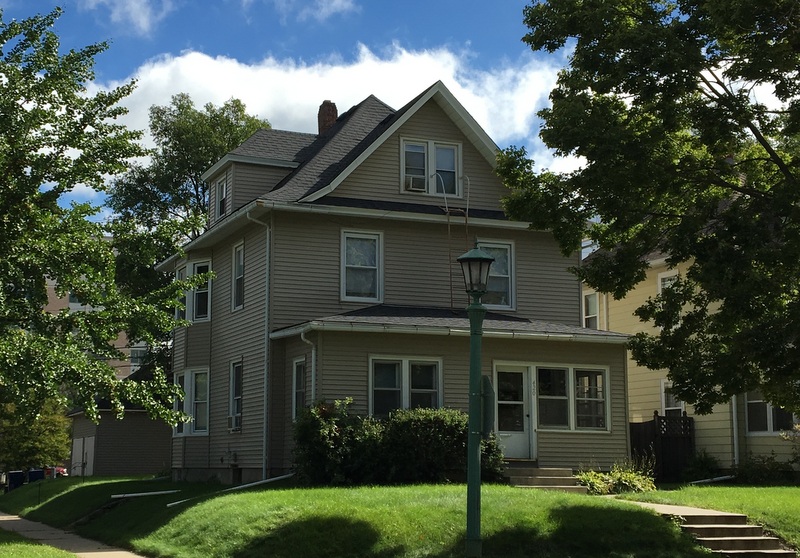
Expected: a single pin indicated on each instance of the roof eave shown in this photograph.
(249, 159)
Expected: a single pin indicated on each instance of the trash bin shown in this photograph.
(35, 475)
(15, 479)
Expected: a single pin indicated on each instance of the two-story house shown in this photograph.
(747, 424)
(335, 275)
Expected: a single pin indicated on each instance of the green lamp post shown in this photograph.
(475, 266)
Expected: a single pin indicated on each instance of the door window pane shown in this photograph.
(510, 418)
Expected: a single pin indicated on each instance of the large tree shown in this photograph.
(162, 204)
(57, 137)
(685, 117)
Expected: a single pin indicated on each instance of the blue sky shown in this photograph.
(282, 58)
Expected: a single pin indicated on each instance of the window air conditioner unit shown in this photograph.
(235, 422)
(415, 183)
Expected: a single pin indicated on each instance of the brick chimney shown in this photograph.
(326, 116)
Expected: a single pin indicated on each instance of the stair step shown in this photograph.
(740, 543)
(756, 553)
(722, 530)
(540, 481)
(538, 472)
(577, 488)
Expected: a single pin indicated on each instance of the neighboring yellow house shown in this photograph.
(746, 424)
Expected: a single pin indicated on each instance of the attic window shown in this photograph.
(432, 168)
(222, 197)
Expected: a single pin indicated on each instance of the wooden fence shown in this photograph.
(670, 440)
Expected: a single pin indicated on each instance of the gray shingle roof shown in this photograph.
(277, 144)
(390, 317)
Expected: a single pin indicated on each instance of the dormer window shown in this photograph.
(431, 168)
(222, 197)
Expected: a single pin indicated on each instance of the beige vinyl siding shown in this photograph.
(285, 352)
(253, 181)
(420, 268)
(378, 177)
(238, 336)
(344, 371)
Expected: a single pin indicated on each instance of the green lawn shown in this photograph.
(12, 544)
(384, 522)
(775, 507)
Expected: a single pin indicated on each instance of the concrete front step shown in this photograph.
(540, 481)
(740, 543)
(756, 553)
(720, 530)
(576, 488)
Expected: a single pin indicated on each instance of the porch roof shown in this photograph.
(384, 318)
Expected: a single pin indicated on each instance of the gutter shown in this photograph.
(318, 325)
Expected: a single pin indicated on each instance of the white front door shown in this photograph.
(515, 433)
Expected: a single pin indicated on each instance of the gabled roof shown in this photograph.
(448, 103)
(384, 318)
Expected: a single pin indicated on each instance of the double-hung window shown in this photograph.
(404, 383)
(237, 277)
(298, 386)
(763, 417)
(590, 311)
(671, 406)
(222, 197)
(235, 403)
(201, 296)
(362, 266)
(572, 398)
(430, 167)
(500, 292)
(194, 384)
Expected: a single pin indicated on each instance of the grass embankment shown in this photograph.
(385, 522)
(12, 544)
(775, 507)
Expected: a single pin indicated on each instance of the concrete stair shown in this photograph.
(526, 474)
(729, 534)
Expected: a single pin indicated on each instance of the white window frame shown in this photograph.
(665, 385)
(370, 235)
(507, 245)
(584, 310)
(771, 430)
(235, 410)
(664, 275)
(571, 397)
(191, 307)
(405, 377)
(237, 277)
(136, 356)
(222, 197)
(410, 186)
(188, 380)
(298, 365)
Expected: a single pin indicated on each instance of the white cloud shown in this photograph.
(141, 15)
(503, 100)
(323, 9)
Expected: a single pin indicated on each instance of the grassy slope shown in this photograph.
(12, 544)
(775, 507)
(369, 522)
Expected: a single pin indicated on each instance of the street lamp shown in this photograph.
(475, 266)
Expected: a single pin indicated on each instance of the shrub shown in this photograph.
(793, 437)
(763, 469)
(625, 476)
(333, 446)
(702, 465)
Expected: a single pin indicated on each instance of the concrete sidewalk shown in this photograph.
(682, 511)
(84, 548)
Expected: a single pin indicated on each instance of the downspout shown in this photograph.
(265, 386)
(735, 412)
(313, 366)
